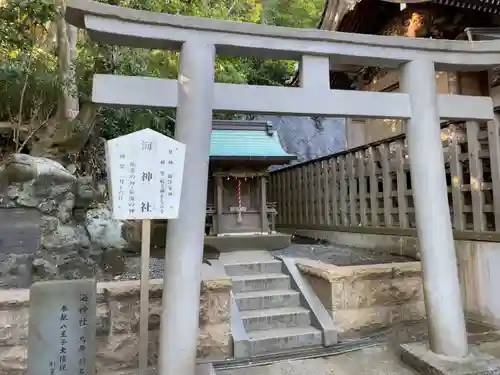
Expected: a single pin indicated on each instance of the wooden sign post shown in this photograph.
(145, 171)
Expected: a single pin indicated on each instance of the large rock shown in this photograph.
(132, 234)
(309, 137)
(15, 270)
(79, 238)
(66, 237)
(23, 168)
(104, 231)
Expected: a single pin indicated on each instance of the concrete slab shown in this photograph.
(273, 241)
(245, 256)
(201, 369)
(419, 357)
(377, 360)
(337, 255)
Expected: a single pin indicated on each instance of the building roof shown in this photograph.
(368, 16)
(371, 16)
(246, 143)
(246, 140)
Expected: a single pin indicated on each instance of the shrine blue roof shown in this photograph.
(246, 143)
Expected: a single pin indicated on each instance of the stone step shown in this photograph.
(264, 281)
(282, 339)
(284, 317)
(267, 299)
(254, 268)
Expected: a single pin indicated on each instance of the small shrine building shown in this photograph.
(241, 153)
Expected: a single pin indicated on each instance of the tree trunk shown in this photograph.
(67, 132)
(67, 36)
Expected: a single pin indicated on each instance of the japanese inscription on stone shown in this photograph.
(20, 231)
(62, 328)
(145, 171)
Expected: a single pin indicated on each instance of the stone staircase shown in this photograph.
(269, 308)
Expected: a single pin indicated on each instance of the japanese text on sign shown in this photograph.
(83, 320)
(146, 170)
(63, 336)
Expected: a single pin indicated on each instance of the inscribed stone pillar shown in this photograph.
(62, 328)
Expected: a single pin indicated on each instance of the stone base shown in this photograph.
(419, 357)
(275, 241)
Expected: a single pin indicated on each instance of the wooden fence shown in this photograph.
(368, 189)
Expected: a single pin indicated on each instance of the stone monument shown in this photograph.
(20, 235)
(62, 328)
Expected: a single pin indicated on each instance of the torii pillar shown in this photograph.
(443, 300)
(183, 258)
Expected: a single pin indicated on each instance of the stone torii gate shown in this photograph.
(196, 95)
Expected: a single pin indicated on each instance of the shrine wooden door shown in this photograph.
(240, 206)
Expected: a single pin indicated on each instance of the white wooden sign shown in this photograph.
(145, 171)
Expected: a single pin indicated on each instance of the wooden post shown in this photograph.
(386, 184)
(326, 192)
(289, 206)
(263, 205)
(343, 192)
(457, 182)
(307, 192)
(362, 188)
(296, 196)
(476, 176)
(302, 196)
(401, 185)
(477, 84)
(351, 182)
(494, 148)
(334, 190)
(372, 172)
(144, 307)
(320, 215)
(218, 203)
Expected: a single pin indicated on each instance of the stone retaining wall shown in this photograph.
(477, 262)
(118, 325)
(367, 297)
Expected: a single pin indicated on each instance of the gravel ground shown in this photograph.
(304, 248)
(340, 256)
(133, 267)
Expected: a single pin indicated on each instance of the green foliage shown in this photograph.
(28, 57)
(23, 23)
(301, 14)
(26, 68)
